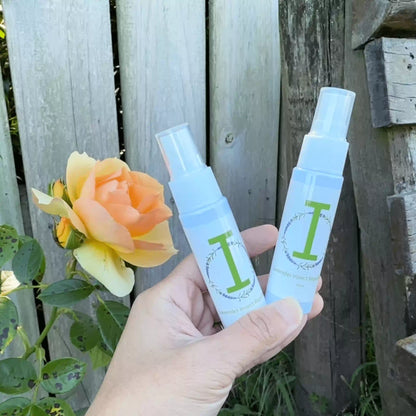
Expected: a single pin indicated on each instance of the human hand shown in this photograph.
(172, 360)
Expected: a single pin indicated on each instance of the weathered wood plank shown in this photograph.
(377, 18)
(373, 182)
(61, 63)
(404, 372)
(244, 64)
(330, 346)
(10, 213)
(162, 63)
(402, 209)
(391, 75)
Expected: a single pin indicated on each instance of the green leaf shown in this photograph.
(84, 333)
(29, 262)
(14, 406)
(61, 376)
(34, 410)
(55, 407)
(99, 358)
(81, 412)
(9, 321)
(66, 292)
(16, 376)
(112, 317)
(9, 243)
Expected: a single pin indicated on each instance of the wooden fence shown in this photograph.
(215, 64)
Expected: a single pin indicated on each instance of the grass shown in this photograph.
(265, 390)
(268, 389)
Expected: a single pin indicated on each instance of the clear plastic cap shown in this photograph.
(179, 151)
(333, 113)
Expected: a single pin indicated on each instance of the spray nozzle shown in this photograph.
(333, 113)
(179, 151)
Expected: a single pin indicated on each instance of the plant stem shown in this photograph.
(54, 316)
(23, 287)
(25, 339)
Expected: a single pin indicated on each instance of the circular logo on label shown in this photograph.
(301, 245)
(238, 287)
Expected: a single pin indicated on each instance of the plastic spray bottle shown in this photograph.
(210, 228)
(311, 201)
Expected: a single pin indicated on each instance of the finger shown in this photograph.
(258, 335)
(318, 288)
(263, 280)
(317, 306)
(257, 240)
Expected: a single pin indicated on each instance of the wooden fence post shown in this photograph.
(244, 65)
(162, 64)
(383, 167)
(62, 72)
(330, 348)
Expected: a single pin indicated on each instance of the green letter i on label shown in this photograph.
(222, 239)
(318, 207)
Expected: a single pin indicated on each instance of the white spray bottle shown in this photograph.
(311, 201)
(210, 228)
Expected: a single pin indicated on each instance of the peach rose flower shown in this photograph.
(116, 216)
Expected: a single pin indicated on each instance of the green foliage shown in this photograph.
(265, 390)
(61, 376)
(9, 243)
(84, 332)
(29, 262)
(112, 317)
(9, 321)
(320, 404)
(14, 406)
(66, 292)
(56, 407)
(16, 376)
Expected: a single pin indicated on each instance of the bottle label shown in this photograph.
(303, 238)
(226, 268)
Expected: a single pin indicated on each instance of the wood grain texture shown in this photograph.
(330, 346)
(404, 373)
(61, 63)
(402, 209)
(375, 18)
(244, 64)
(162, 63)
(391, 75)
(373, 183)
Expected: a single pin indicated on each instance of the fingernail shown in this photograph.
(290, 311)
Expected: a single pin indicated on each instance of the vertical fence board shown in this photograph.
(61, 62)
(330, 346)
(162, 63)
(373, 183)
(10, 213)
(244, 68)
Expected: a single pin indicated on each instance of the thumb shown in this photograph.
(259, 335)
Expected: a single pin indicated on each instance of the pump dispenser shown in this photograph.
(311, 201)
(210, 228)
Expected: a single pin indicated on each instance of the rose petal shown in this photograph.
(109, 168)
(102, 227)
(106, 266)
(57, 206)
(77, 171)
(153, 249)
